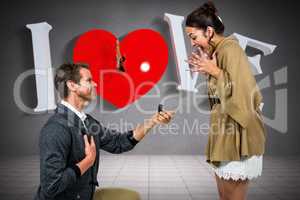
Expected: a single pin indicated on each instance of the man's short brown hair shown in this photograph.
(67, 72)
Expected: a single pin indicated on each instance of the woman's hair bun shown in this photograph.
(209, 8)
(204, 16)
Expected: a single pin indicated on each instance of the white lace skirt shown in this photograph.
(247, 168)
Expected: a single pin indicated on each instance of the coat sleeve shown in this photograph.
(236, 85)
(115, 142)
(55, 175)
(110, 140)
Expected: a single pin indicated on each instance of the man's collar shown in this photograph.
(81, 115)
(72, 118)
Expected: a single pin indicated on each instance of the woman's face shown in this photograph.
(197, 37)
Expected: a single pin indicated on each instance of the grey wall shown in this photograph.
(275, 22)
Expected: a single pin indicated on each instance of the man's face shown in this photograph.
(86, 89)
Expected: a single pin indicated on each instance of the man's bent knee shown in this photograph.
(116, 194)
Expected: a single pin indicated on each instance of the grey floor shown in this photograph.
(159, 177)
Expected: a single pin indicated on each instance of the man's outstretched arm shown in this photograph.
(116, 142)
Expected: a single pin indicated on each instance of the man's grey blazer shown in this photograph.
(62, 146)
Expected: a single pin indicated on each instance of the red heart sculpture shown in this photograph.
(146, 59)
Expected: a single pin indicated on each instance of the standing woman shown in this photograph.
(236, 140)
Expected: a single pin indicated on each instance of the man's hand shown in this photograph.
(90, 149)
(90, 155)
(162, 117)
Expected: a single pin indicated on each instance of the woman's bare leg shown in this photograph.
(234, 190)
(220, 188)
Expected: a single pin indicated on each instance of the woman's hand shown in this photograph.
(204, 65)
